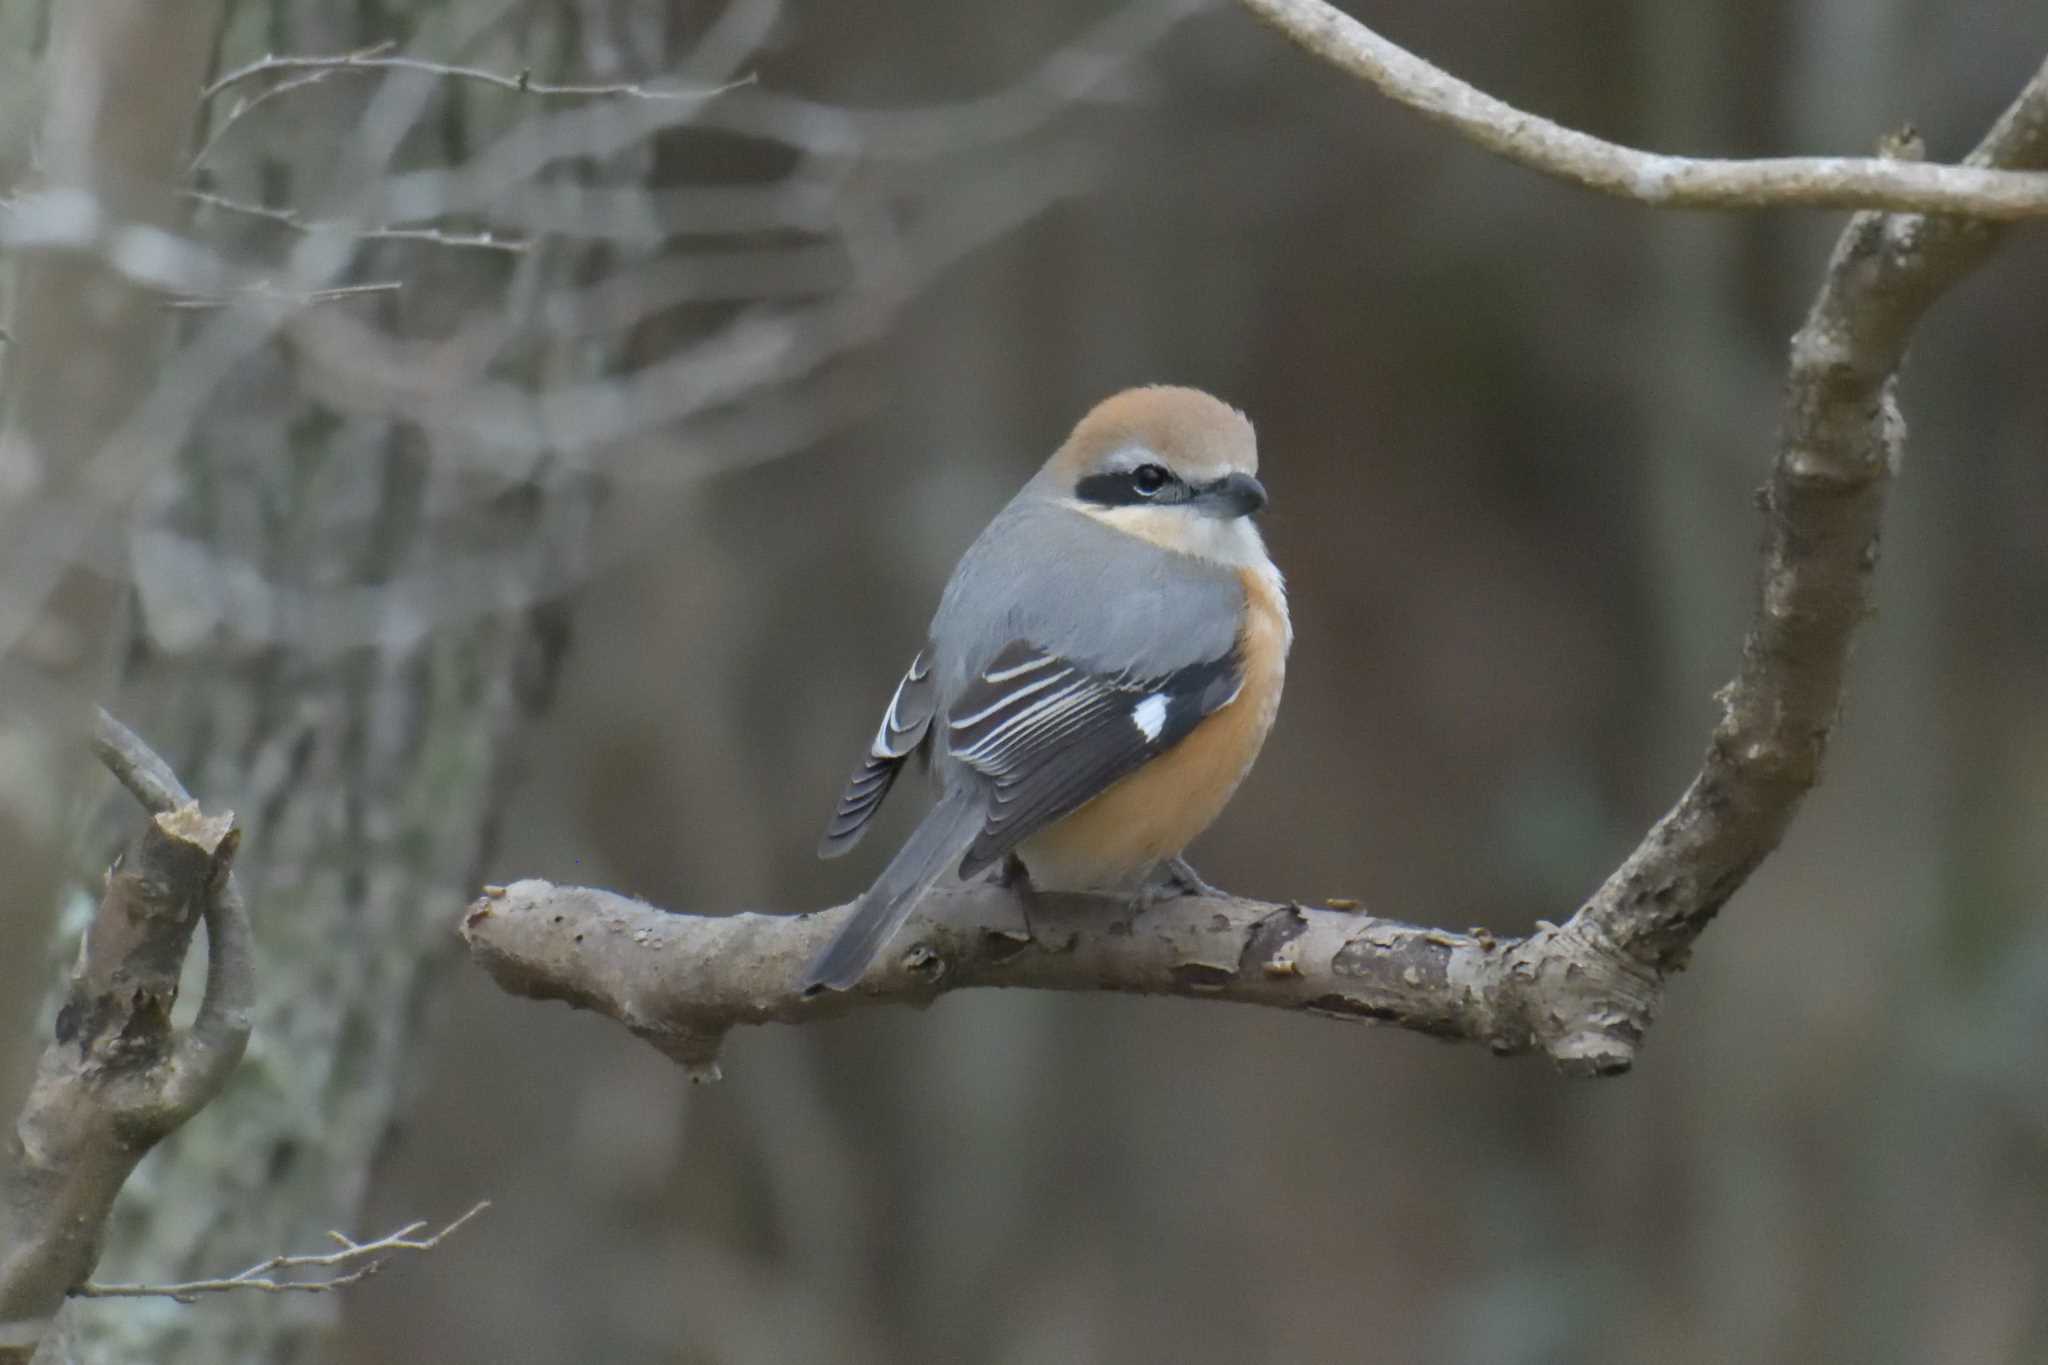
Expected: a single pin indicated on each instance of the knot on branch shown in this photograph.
(1573, 993)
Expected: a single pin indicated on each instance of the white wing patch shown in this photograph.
(1149, 715)
(905, 723)
(895, 738)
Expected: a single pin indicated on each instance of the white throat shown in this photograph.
(1233, 541)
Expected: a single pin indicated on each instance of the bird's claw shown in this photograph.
(1177, 877)
(1011, 874)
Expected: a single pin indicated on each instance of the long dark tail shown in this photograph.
(930, 853)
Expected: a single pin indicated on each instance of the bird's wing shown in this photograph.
(905, 725)
(1047, 735)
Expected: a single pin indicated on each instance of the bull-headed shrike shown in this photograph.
(1101, 673)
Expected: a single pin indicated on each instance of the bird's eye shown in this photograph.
(1148, 479)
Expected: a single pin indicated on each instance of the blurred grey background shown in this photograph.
(1511, 432)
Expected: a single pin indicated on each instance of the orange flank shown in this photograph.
(1160, 809)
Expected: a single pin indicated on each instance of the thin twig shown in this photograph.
(136, 766)
(292, 221)
(522, 84)
(245, 107)
(311, 296)
(357, 1261)
(1648, 177)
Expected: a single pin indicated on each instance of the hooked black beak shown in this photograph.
(1233, 495)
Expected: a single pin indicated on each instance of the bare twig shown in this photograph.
(374, 59)
(356, 1260)
(1649, 177)
(304, 298)
(1583, 992)
(136, 766)
(1087, 69)
(291, 220)
(245, 107)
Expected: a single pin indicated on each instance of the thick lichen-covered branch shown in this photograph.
(1582, 992)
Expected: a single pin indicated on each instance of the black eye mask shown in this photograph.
(1148, 483)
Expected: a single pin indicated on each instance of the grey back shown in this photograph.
(1109, 602)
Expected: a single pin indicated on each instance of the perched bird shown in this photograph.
(1102, 670)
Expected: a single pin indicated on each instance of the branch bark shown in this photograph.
(681, 982)
(2001, 190)
(116, 1080)
(1584, 992)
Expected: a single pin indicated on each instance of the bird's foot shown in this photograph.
(1011, 874)
(1178, 878)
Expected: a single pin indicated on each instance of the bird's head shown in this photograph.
(1170, 465)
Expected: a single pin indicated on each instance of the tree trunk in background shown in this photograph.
(298, 646)
(114, 82)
